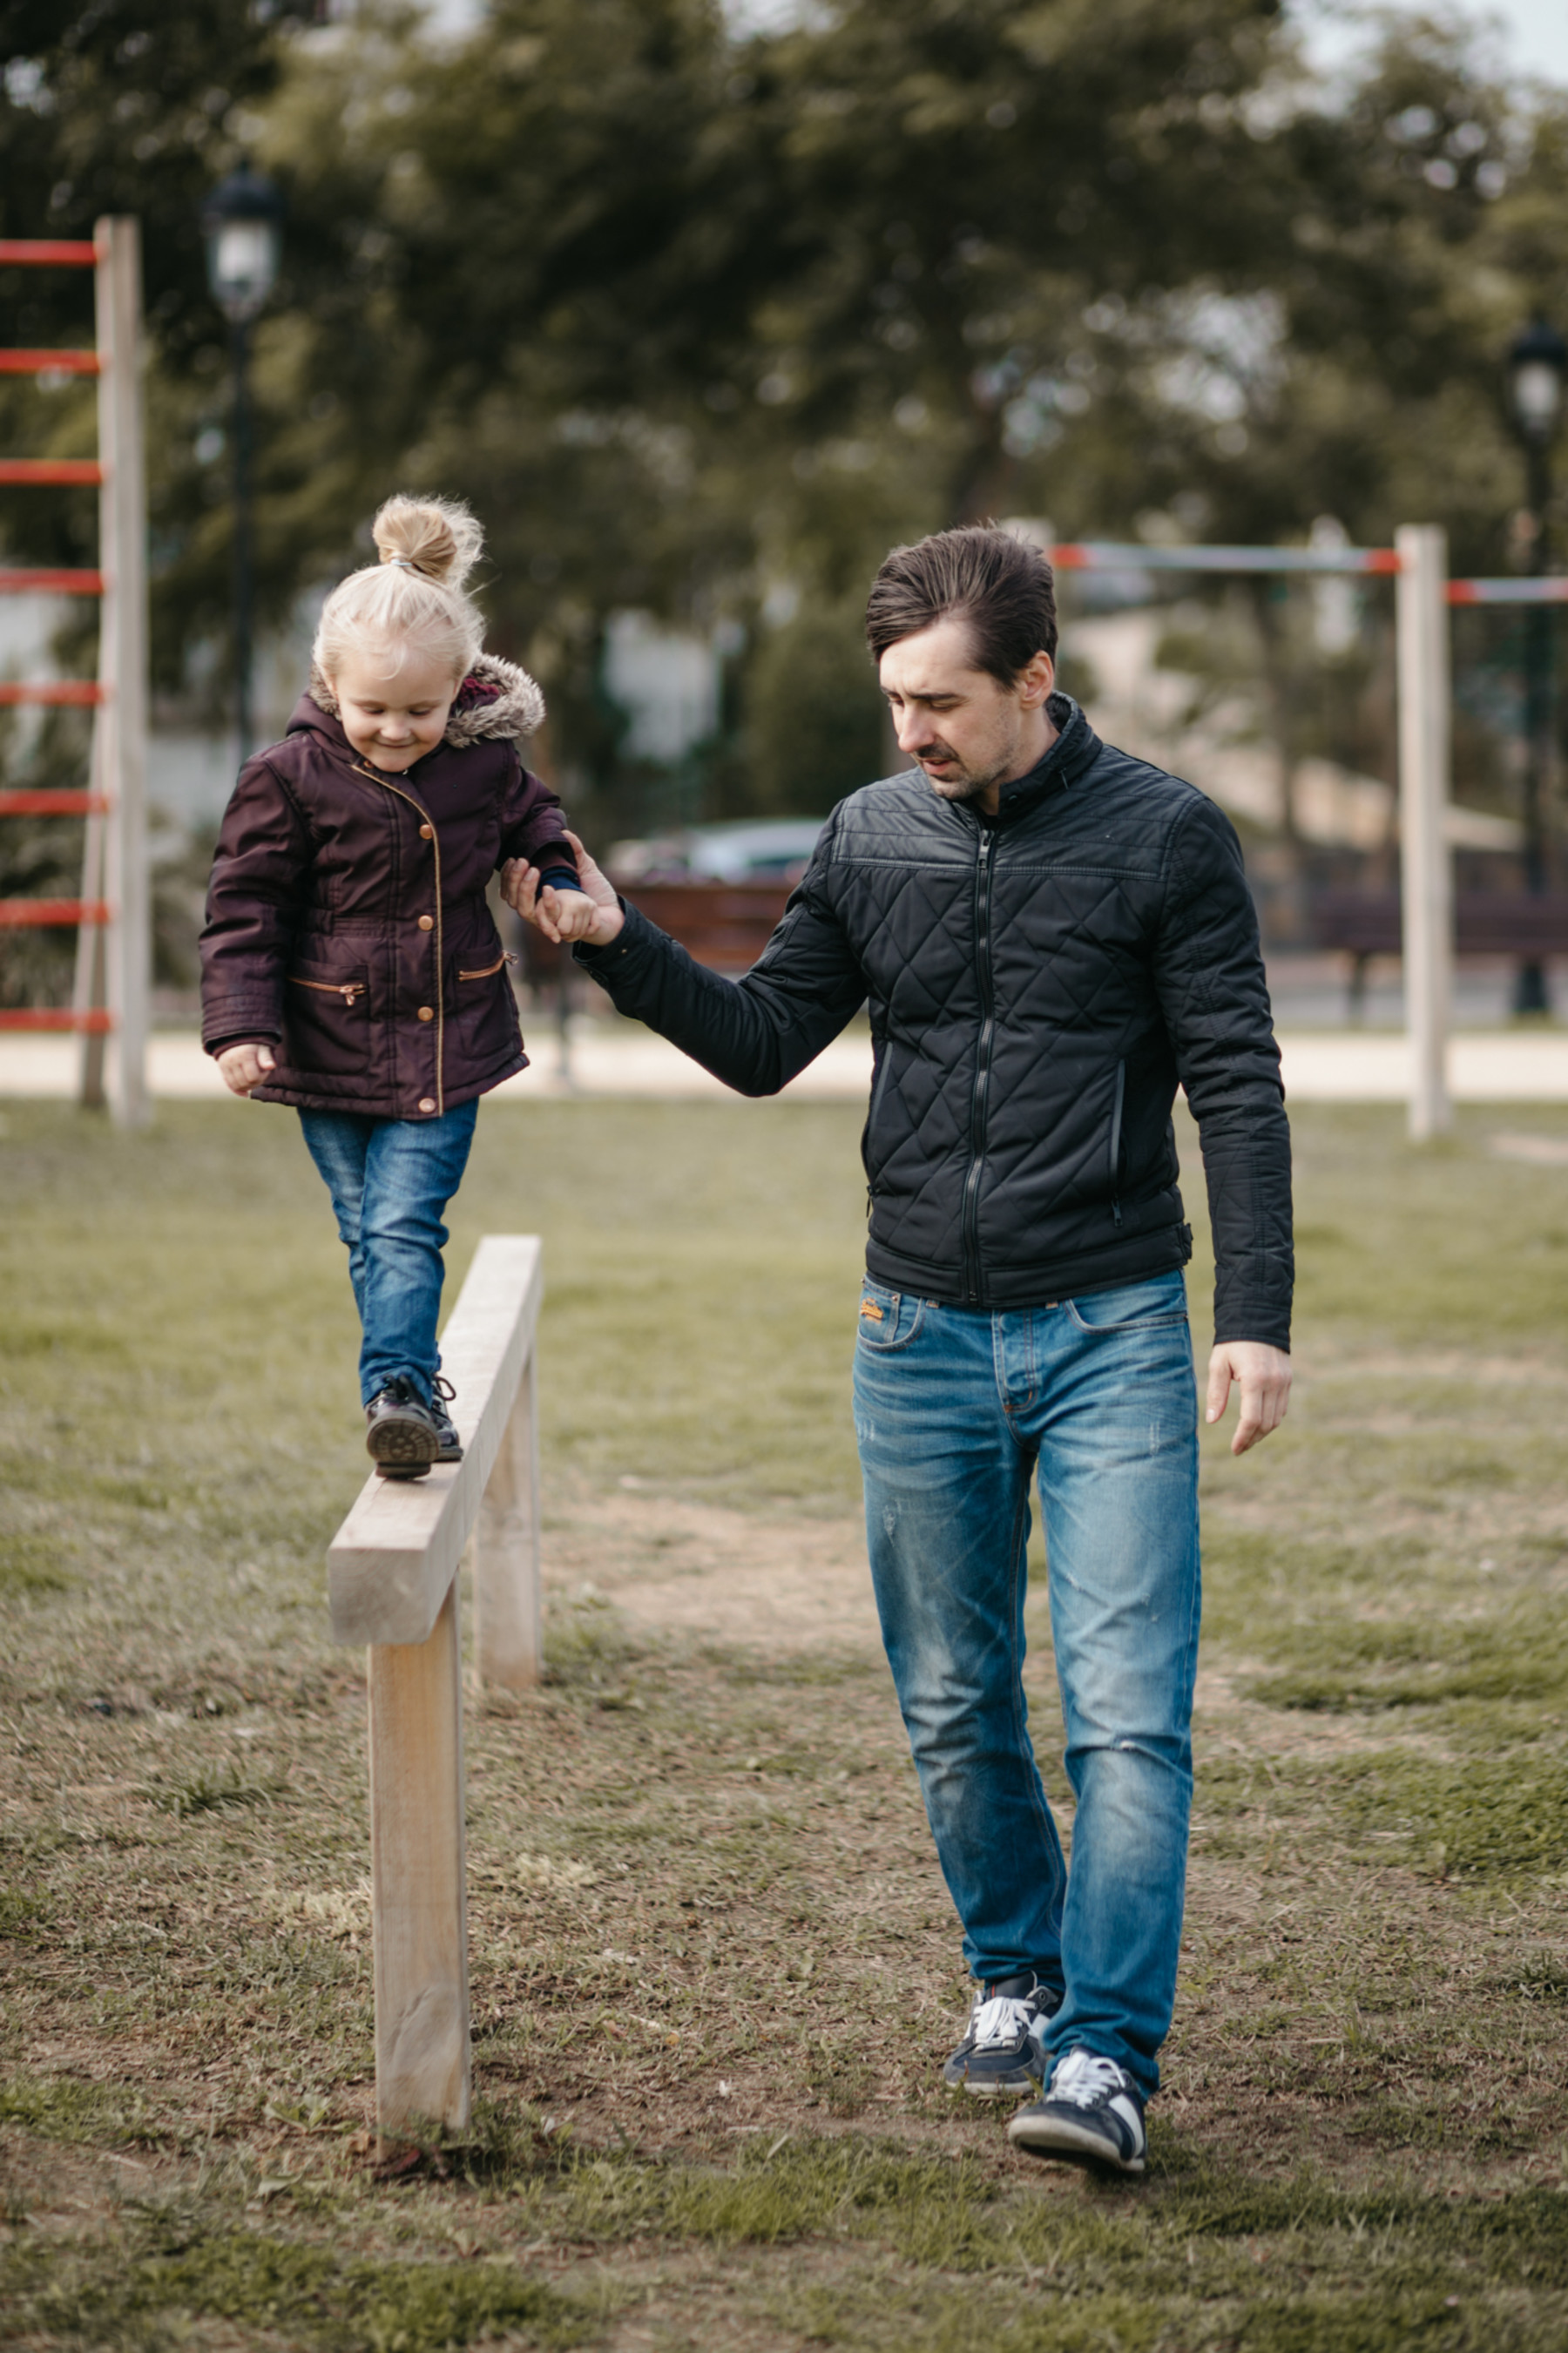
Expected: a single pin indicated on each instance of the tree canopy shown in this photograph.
(695, 316)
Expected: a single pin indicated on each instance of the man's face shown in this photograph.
(968, 732)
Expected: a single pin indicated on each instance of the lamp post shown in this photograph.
(1537, 366)
(242, 222)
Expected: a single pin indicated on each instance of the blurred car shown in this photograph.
(751, 849)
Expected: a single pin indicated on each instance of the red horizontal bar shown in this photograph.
(15, 582)
(1133, 555)
(1549, 588)
(51, 801)
(49, 914)
(49, 252)
(97, 1022)
(50, 469)
(24, 363)
(52, 689)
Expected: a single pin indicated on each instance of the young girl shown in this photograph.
(350, 966)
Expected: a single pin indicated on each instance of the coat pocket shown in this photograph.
(327, 1016)
(484, 1009)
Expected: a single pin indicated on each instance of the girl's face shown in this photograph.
(392, 722)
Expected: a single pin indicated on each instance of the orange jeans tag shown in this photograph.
(869, 1307)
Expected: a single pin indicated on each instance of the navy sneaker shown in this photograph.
(402, 1436)
(1091, 2114)
(1004, 2047)
(450, 1449)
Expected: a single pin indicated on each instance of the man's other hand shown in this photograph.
(545, 908)
(1262, 1374)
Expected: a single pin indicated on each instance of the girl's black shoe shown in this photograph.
(402, 1435)
(441, 1393)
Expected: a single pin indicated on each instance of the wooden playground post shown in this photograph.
(392, 1579)
(122, 666)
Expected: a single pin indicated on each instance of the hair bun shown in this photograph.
(437, 537)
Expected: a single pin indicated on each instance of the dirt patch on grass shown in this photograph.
(781, 1583)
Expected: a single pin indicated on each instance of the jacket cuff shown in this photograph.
(609, 965)
(255, 1036)
(564, 877)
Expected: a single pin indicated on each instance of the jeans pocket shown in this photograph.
(889, 1319)
(1156, 1305)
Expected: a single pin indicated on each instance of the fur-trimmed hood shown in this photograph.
(496, 699)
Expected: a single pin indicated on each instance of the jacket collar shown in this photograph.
(497, 701)
(1070, 757)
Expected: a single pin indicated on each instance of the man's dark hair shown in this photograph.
(1001, 586)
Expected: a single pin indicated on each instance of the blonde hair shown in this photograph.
(413, 597)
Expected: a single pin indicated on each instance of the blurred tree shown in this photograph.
(690, 315)
(812, 719)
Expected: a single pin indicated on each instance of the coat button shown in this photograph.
(427, 923)
(426, 1103)
(426, 833)
(426, 1013)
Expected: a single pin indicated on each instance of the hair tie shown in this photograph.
(406, 561)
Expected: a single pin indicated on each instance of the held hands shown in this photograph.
(592, 914)
(1263, 1375)
(244, 1067)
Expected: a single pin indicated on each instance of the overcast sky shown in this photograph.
(1532, 34)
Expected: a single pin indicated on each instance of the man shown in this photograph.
(1051, 936)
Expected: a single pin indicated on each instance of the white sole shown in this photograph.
(1058, 2138)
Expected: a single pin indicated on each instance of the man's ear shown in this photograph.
(1036, 680)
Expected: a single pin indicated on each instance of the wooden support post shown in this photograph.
(417, 1875)
(123, 661)
(393, 1578)
(507, 1638)
(1426, 881)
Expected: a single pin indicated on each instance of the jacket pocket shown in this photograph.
(1117, 1103)
(327, 1018)
(879, 1088)
(483, 1009)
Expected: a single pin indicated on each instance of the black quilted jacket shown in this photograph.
(1038, 988)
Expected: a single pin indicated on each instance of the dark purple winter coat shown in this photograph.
(346, 922)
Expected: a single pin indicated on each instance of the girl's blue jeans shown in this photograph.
(391, 1181)
(955, 1412)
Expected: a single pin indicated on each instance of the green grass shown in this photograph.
(714, 1971)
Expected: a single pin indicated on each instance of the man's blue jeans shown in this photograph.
(390, 1180)
(953, 1409)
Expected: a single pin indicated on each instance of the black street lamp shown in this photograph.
(1536, 368)
(242, 222)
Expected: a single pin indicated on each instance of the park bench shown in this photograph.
(724, 924)
(1367, 924)
(393, 1583)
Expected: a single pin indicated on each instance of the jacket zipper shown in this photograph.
(1116, 1142)
(983, 895)
(347, 989)
(488, 970)
(377, 778)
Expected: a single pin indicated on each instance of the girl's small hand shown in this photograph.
(572, 913)
(520, 889)
(244, 1067)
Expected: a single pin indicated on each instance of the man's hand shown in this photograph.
(1263, 1375)
(592, 914)
(244, 1067)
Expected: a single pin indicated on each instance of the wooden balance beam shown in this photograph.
(392, 1573)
